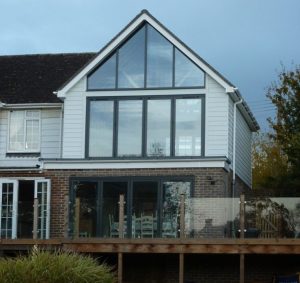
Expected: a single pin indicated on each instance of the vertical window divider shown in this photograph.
(99, 231)
(173, 123)
(144, 127)
(173, 68)
(117, 69)
(87, 127)
(145, 62)
(115, 130)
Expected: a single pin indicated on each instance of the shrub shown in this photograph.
(54, 267)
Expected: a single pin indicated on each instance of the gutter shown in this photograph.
(234, 145)
(30, 105)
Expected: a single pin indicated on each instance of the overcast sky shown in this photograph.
(246, 41)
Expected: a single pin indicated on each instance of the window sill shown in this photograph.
(23, 154)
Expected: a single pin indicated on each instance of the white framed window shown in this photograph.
(24, 131)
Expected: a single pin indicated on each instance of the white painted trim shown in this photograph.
(134, 164)
(15, 204)
(143, 17)
(48, 184)
(32, 105)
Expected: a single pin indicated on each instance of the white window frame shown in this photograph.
(48, 192)
(24, 150)
(15, 205)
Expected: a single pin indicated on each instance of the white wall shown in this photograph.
(243, 149)
(50, 139)
(216, 137)
(74, 122)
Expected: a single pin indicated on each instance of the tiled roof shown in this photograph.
(33, 78)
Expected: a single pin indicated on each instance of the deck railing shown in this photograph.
(195, 218)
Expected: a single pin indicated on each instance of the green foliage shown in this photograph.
(54, 267)
(270, 163)
(285, 95)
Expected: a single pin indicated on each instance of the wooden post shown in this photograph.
(77, 218)
(121, 216)
(35, 218)
(242, 216)
(181, 268)
(120, 267)
(242, 235)
(66, 217)
(182, 216)
(242, 268)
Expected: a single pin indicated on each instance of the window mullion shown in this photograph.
(173, 123)
(144, 129)
(116, 125)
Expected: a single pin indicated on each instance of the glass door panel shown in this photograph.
(144, 209)
(42, 193)
(8, 208)
(110, 208)
(85, 209)
(171, 207)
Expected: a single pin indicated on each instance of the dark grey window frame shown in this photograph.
(145, 98)
(129, 180)
(116, 50)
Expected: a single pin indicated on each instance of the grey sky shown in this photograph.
(246, 41)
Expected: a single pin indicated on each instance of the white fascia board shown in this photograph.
(33, 105)
(144, 17)
(55, 165)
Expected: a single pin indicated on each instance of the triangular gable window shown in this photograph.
(146, 60)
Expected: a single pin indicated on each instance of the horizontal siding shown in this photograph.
(243, 149)
(216, 120)
(74, 124)
(51, 133)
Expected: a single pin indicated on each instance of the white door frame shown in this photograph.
(14, 204)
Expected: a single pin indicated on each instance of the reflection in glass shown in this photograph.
(158, 127)
(171, 207)
(7, 210)
(85, 209)
(159, 60)
(188, 127)
(101, 129)
(186, 72)
(105, 76)
(130, 128)
(144, 209)
(110, 209)
(131, 62)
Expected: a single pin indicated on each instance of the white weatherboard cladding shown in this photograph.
(74, 122)
(243, 149)
(216, 119)
(51, 133)
(49, 144)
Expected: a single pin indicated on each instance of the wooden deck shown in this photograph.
(175, 246)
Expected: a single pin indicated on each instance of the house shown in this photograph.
(146, 119)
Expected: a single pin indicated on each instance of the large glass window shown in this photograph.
(24, 131)
(101, 129)
(159, 127)
(132, 62)
(188, 127)
(160, 60)
(187, 74)
(130, 128)
(146, 60)
(145, 127)
(105, 76)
